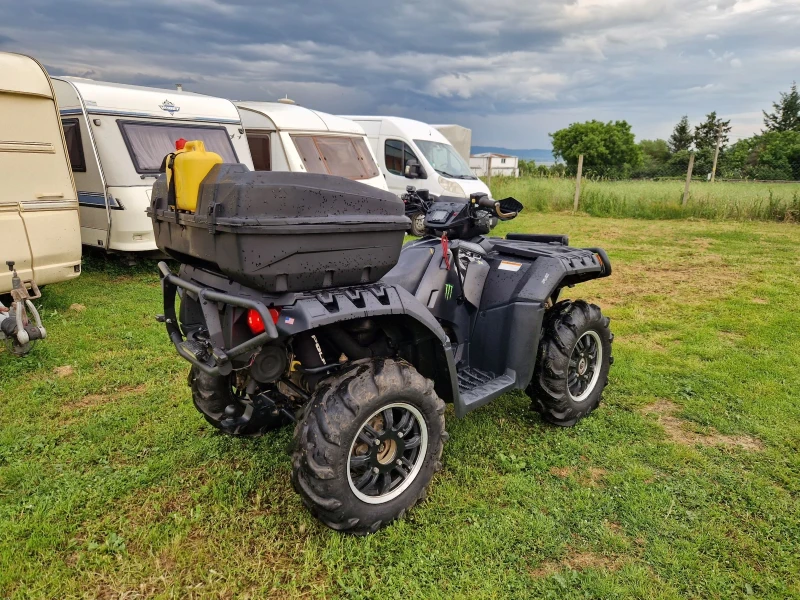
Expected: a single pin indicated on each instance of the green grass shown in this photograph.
(112, 485)
(657, 199)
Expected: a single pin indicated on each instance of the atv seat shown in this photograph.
(410, 268)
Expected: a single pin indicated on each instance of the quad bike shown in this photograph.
(364, 369)
(417, 202)
(15, 324)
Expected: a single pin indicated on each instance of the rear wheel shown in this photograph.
(573, 363)
(418, 224)
(368, 446)
(222, 401)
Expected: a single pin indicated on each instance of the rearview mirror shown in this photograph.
(412, 170)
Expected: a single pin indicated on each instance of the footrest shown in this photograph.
(481, 387)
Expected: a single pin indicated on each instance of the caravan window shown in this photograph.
(338, 155)
(72, 135)
(259, 150)
(149, 143)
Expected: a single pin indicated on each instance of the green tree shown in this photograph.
(787, 112)
(681, 138)
(655, 154)
(527, 167)
(655, 150)
(705, 134)
(771, 155)
(609, 149)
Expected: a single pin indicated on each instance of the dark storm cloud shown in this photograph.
(512, 70)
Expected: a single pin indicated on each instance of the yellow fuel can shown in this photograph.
(189, 167)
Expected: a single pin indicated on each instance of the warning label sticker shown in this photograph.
(507, 265)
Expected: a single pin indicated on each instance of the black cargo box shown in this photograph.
(281, 231)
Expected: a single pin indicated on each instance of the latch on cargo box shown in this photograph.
(214, 211)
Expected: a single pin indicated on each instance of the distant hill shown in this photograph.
(540, 155)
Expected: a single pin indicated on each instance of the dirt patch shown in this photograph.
(77, 307)
(64, 371)
(682, 279)
(577, 561)
(593, 477)
(95, 400)
(664, 410)
(760, 301)
(562, 472)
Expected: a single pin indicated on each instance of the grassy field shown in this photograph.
(685, 483)
(657, 199)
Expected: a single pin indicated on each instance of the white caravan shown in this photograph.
(118, 135)
(439, 167)
(286, 137)
(39, 227)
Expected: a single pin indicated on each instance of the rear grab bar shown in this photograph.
(208, 297)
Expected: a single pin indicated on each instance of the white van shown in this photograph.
(39, 227)
(441, 169)
(286, 137)
(118, 135)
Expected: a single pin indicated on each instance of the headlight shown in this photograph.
(451, 187)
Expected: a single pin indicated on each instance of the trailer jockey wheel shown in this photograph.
(368, 445)
(574, 358)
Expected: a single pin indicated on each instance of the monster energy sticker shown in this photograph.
(448, 291)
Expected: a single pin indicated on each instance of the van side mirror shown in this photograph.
(413, 169)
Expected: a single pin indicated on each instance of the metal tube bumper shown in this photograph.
(220, 356)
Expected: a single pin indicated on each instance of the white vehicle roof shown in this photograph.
(290, 117)
(23, 75)
(416, 130)
(118, 99)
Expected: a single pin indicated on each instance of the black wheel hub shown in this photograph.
(385, 452)
(583, 365)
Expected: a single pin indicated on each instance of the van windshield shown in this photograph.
(339, 155)
(149, 143)
(445, 160)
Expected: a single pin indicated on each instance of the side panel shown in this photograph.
(38, 205)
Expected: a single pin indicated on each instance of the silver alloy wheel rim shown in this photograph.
(421, 426)
(595, 364)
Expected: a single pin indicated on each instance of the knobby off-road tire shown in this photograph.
(211, 395)
(572, 367)
(417, 224)
(333, 444)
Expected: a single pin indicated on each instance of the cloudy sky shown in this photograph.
(512, 70)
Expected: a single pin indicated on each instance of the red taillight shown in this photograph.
(256, 323)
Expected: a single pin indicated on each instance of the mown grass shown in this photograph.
(685, 483)
(745, 201)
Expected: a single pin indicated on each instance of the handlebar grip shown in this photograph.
(486, 202)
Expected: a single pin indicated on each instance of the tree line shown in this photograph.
(610, 150)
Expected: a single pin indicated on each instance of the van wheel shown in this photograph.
(418, 224)
(574, 359)
(212, 396)
(368, 445)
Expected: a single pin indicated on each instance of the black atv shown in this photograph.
(297, 305)
(417, 202)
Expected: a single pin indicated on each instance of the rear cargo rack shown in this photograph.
(219, 356)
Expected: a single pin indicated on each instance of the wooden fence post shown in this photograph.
(716, 154)
(489, 171)
(578, 183)
(688, 179)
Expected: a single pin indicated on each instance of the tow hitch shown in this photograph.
(15, 321)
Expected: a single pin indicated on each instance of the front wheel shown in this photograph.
(573, 363)
(418, 224)
(368, 446)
